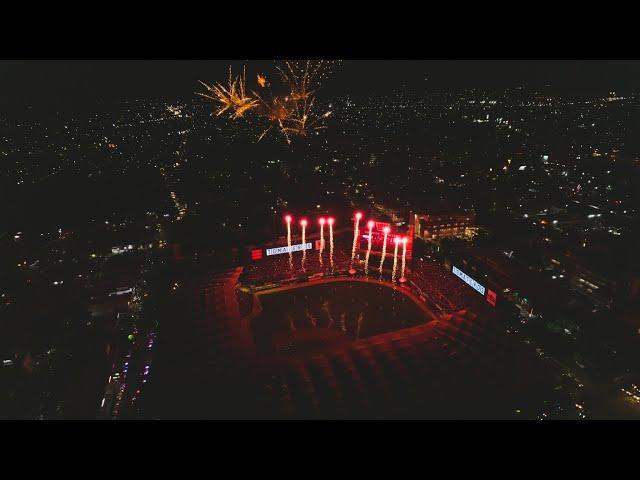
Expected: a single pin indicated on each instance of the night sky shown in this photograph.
(75, 85)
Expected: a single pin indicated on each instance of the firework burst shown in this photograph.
(232, 98)
(303, 121)
(290, 112)
(262, 80)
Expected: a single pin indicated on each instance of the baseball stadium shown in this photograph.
(341, 320)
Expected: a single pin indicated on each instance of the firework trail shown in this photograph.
(331, 242)
(395, 258)
(355, 239)
(303, 222)
(288, 219)
(366, 261)
(404, 257)
(384, 248)
(322, 222)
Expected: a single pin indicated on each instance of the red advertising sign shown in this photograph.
(256, 254)
(491, 297)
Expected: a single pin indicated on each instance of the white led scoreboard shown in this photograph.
(490, 297)
(293, 248)
(468, 280)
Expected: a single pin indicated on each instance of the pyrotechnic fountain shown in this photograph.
(384, 247)
(330, 222)
(288, 220)
(355, 241)
(370, 224)
(396, 241)
(322, 222)
(303, 223)
(404, 259)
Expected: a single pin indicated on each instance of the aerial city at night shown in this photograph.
(320, 239)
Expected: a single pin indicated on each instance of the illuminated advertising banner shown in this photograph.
(468, 280)
(294, 248)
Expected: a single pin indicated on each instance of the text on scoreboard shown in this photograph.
(292, 248)
(468, 280)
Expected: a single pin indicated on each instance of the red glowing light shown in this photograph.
(491, 297)
(386, 229)
(358, 215)
(287, 219)
(303, 222)
(397, 240)
(405, 239)
(330, 220)
(370, 223)
(321, 220)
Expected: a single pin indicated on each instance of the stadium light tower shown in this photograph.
(385, 230)
(404, 259)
